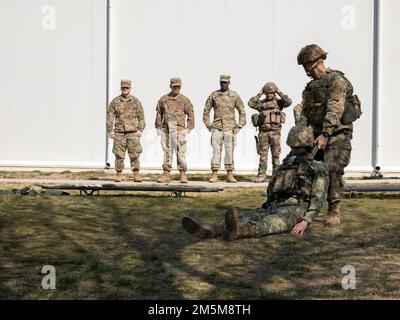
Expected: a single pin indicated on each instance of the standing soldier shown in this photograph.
(125, 124)
(269, 122)
(330, 107)
(224, 127)
(173, 111)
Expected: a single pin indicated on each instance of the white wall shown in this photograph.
(254, 41)
(52, 82)
(390, 75)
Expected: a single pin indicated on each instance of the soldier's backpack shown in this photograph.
(352, 107)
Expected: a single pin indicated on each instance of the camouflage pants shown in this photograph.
(337, 157)
(174, 141)
(130, 142)
(263, 222)
(268, 140)
(220, 139)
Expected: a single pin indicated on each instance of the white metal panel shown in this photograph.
(255, 41)
(53, 82)
(390, 75)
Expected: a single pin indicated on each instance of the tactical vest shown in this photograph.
(271, 117)
(316, 100)
(294, 178)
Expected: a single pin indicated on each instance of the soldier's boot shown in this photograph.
(118, 177)
(184, 178)
(214, 177)
(230, 178)
(261, 178)
(165, 178)
(333, 215)
(203, 230)
(233, 230)
(136, 176)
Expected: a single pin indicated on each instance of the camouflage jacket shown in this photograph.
(171, 110)
(264, 106)
(324, 102)
(299, 181)
(127, 113)
(224, 105)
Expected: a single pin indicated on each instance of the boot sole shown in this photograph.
(193, 227)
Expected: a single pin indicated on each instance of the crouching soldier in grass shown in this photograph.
(294, 197)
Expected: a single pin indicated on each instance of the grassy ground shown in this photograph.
(133, 247)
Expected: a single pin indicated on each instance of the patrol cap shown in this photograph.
(225, 78)
(126, 84)
(176, 82)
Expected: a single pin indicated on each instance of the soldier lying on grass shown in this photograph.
(294, 197)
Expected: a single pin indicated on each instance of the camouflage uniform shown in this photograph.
(324, 101)
(125, 117)
(172, 113)
(330, 107)
(297, 110)
(270, 128)
(296, 192)
(223, 125)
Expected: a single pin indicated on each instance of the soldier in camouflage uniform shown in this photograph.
(294, 197)
(125, 124)
(173, 111)
(224, 128)
(330, 108)
(270, 122)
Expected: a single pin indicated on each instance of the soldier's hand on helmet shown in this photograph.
(299, 229)
(139, 133)
(159, 132)
(111, 135)
(321, 142)
(236, 130)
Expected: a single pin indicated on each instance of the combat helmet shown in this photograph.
(311, 53)
(270, 87)
(300, 137)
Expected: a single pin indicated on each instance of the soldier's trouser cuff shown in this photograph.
(229, 167)
(167, 167)
(119, 164)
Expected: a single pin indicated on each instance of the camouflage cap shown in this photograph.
(270, 87)
(225, 78)
(311, 53)
(176, 82)
(126, 84)
(300, 136)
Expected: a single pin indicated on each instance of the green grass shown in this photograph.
(133, 247)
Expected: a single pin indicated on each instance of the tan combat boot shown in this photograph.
(231, 224)
(230, 178)
(261, 178)
(165, 178)
(203, 230)
(136, 176)
(333, 215)
(233, 230)
(184, 178)
(118, 177)
(214, 177)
